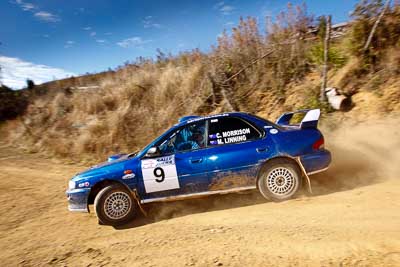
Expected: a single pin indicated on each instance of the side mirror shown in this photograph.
(153, 151)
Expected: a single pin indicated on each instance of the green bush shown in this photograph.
(336, 58)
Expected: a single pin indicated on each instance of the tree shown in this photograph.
(368, 41)
(12, 103)
(367, 9)
(376, 25)
(30, 84)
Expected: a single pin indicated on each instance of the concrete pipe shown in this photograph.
(336, 100)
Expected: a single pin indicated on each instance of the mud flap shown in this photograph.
(137, 199)
(304, 173)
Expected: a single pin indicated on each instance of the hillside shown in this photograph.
(94, 115)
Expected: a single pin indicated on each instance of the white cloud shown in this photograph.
(101, 41)
(15, 71)
(229, 23)
(46, 16)
(227, 10)
(224, 8)
(133, 42)
(93, 34)
(37, 12)
(27, 6)
(148, 22)
(219, 5)
(87, 28)
(156, 25)
(69, 44)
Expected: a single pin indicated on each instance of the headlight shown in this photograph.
(71, 184)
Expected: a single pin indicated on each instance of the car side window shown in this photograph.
(230, 130)
(190, 137)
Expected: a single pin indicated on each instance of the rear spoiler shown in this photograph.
(310, 119)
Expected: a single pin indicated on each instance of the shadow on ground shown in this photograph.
(351, 168)
(167, 210)
(344, 174)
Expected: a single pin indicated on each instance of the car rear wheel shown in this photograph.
(115, 205)
(279, 180)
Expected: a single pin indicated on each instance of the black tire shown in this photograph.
(279, 180)
(115, 205)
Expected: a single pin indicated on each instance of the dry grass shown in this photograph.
(123, 115)
(138, 101)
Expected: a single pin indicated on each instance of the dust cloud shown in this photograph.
(362, 154)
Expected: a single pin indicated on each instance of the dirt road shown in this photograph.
(353, 218)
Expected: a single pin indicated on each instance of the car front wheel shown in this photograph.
(115, 205)
(279, 180)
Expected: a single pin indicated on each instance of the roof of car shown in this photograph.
(190, 119)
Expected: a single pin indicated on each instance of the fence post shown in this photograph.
(326, 55)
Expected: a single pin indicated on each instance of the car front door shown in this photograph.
(235, 150)
(181, 166)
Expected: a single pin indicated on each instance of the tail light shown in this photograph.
(319, 144)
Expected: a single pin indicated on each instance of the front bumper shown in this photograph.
(316, 162)
(78, 199)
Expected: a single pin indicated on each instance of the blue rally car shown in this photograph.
(201, 156)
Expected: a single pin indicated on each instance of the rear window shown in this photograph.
(230, 130)
(268, 122)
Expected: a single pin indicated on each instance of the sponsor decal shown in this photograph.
(208, 117)
(273, 131)
(236, 132)
(217, 142)
(229, 137)
(128, 176)
(85, 184)
(214, 136)
(235, 139)
(159, 162)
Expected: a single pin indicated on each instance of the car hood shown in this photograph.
(112, 168)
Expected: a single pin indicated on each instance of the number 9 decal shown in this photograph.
(159, 173)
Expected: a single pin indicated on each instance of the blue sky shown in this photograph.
(57, 38)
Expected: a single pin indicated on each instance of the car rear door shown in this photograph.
(235, 148)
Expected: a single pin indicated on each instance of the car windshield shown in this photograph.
(157, 140)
